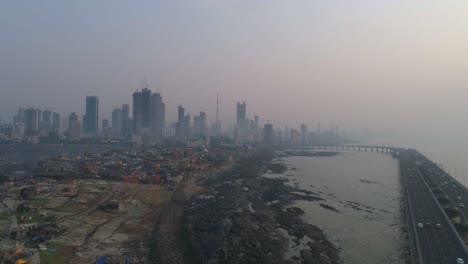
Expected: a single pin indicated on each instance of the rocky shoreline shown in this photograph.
(243, 217)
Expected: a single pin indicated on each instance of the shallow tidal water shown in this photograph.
(364, 187)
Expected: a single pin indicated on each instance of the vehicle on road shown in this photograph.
(420, 225)
(438, 226)
(461, 205)
(428, 225)
(460, 261)
(459, 197)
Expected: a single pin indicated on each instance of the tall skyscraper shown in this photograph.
(196, 131)
(180, 122)
(268, 133)
(199, 125)
(137, 112)
(91, 117)
(45, 126)
(74, 127)
(117, 122)
(142, 111)
(56, 122)
(31, 121)
(241, 114)
(241, 121)
(146, 107)
(203, 127)
(157, 114)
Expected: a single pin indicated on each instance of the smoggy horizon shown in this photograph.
(396, 66)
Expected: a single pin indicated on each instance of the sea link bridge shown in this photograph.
(435, 206)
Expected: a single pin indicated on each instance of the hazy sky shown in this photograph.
(401, 65)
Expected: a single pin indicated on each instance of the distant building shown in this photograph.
(158, 113)
(31, 121)
(146, 108)
(137, 112)
(241, 124)
(106, 130)
(199, 125)
(268, 138)
(91, 117)
(117, 123)
(304, 133)
(180, 122)
(74, 127)
(142, 111)
(18, 129)
(241, 115)
(196, 127)
(203, 126)
(56, 122)
(47, 117)
(105, 124)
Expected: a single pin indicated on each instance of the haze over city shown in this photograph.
(264, 131)
(395, 65)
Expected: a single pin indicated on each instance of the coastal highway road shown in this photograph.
(454, 190)
(436, 245)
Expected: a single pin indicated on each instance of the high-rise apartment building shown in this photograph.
(158, 113)
(117, 122)
(56, 122)
(91, 117)
(268, 138)
(142, 111)
(203, 127)
(241, 114)
(146, 107)
(31, 121)
(74, 127)
(180, 122)
(242, 123)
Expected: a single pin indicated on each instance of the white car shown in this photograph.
(420, 225)
(459, 197)
(460, 261)
(461, 205)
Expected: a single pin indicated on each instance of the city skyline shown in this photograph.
(361, 65)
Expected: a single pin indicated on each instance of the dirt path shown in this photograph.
(170, 221)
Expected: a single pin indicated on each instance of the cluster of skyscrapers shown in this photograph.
(147, 123)
(34, 122)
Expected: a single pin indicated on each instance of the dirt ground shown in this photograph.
(170, 221)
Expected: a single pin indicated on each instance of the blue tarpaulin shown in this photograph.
(101, 260)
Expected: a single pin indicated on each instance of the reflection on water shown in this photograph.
(364, 188)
